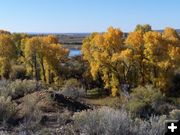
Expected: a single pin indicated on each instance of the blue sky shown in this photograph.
(66, 16)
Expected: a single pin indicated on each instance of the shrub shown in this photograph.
(108, 121)
(73, 68)
(175, 114)
(154, 126)
(3, 83)
(32, 112)
(174, 91)
(94, 93)
(73, 89)
(7, 108)
(145, 101)
(63, 117)
(4, 133)
(3, 88)
(18, 72)
(19, 88)
(72, 83)
(176, 101)
(164, 108)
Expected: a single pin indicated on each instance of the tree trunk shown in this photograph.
(35, 67)
(43, 70)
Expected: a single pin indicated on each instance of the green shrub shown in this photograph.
(145, 101)
(19, 88)
(7, 108)
(73, 68)
(94, 93)
(72, 83)
(18, 72)
(73, 89)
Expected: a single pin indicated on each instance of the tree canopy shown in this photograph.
(144, 57)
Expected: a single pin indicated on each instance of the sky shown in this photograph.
(81, 16)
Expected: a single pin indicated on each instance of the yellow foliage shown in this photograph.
(99, 50)
(7, 54)
(154, 47)
(45, 53)
(146, 57)
(135, 40)
(50, 39)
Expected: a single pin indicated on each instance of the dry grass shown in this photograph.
(114, 102)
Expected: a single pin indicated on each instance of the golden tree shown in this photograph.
(144, 28)
(51, 39)
(157, 59)
(100, 50)
(32, 52)
(172, 40)
(155, 56)
(7, 54)
(135, 41)
(54, 56)
(44, 57)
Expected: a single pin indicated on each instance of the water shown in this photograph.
(74, 52)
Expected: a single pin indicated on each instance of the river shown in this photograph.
(74, 52)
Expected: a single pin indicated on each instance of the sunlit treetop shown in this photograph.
(144, 28)
(4, 32)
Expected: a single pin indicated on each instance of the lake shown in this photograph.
(74, 52)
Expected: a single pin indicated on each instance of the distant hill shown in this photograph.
(178, 30)
(74, 40)
(61, 34)
(76, 34)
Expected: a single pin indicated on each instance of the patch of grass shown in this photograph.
(114, 102)
(94, 93)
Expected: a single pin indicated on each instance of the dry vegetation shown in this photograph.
(120, 85)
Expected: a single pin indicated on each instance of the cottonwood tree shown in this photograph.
(100, 51)
(54, 56)
(155, 56)
(144, 28)
(135, 42)
(44, 57)
(145, 57)
(32, 52)
(7, 54)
